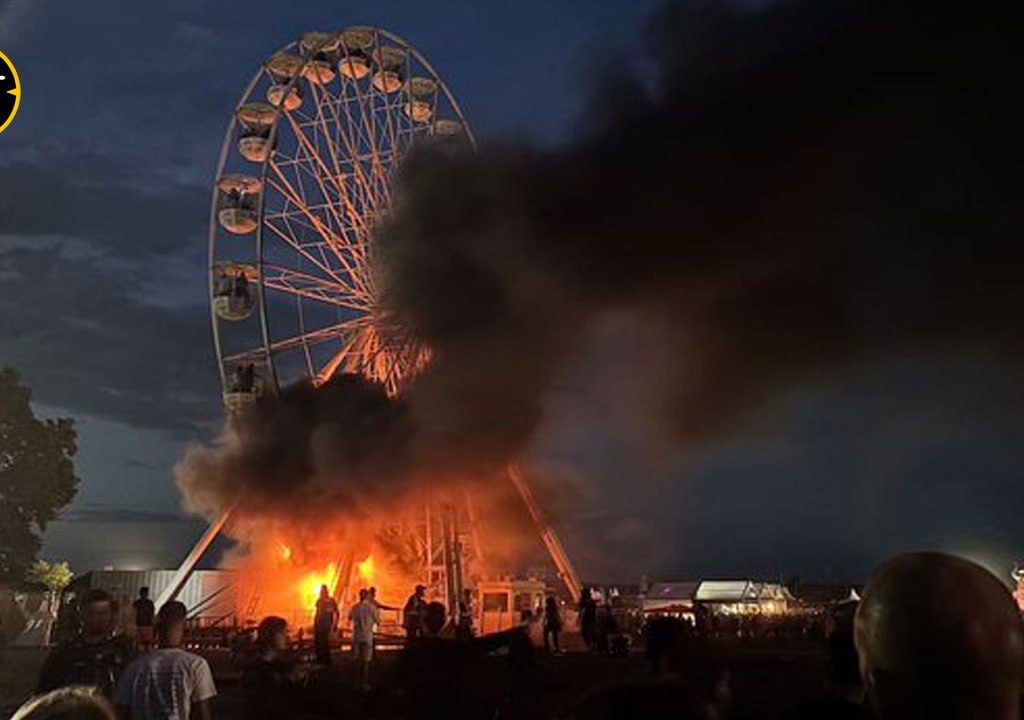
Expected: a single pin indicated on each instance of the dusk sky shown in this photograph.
(105, 178)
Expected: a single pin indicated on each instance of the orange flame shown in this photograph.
(282, 562)
(309, 587)
(366, 569)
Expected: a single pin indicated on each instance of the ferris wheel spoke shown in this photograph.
(336, 361)
(313, 163)
(365, 102)
(336, 240)
(322, 335)
(294, 282)
(333, 241)
(381, 176)
(255, 356)
(355, 145)
(394, 118)
(290, 239)
(297, 218)
(320, 172)
(323, 98)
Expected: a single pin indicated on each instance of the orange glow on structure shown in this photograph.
(281, 562)
(309, 586)
(366, 570)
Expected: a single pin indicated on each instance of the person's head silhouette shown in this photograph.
(938, 636)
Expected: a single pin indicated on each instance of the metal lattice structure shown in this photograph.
(304, 177)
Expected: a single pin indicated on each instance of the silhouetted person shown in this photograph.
(70, 703)
(270, 679)
(248, 377)
(701, 619)
(667, 645)
(441, 678)
(939, 637)
(167, 683)
(844, 698)
(365, 616)
(464, 623)
(95, 656)
(588, 617)
(552, 624)
(606, 627)
(145, 612)
(324, 623)
(412, 613)
(676, 657)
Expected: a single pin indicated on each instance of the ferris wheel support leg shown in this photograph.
(563, 566)
(188, 566)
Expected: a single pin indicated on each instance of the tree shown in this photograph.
(37, 475)
(55, 576)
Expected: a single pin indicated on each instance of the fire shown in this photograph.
(366, 570)
(309, 587)
(281, 563)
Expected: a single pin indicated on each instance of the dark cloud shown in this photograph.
(112, 515)
(84, 341)
(112, 207)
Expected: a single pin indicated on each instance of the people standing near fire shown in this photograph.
(440, 677)
(325, 622)
(167, 683)
(412, 613)
(95, 656)
(588, 617)
(365, 615)
(145, 611)
(464, 624)
(552, 624)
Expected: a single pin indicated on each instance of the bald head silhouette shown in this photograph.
(939, 637)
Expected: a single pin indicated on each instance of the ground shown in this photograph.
(768, 678)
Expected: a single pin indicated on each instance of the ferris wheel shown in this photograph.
(304, 177)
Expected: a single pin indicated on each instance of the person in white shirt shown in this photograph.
(168, 683)
(364, 616)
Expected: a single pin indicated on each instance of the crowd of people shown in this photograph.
(934, 636)
(101, 669)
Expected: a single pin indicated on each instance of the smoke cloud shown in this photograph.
(782, 192)
(803, 187)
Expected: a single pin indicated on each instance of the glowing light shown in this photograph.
(366, 569)
(286, 552)
(309, 587)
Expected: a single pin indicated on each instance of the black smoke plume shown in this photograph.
(783, 192)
